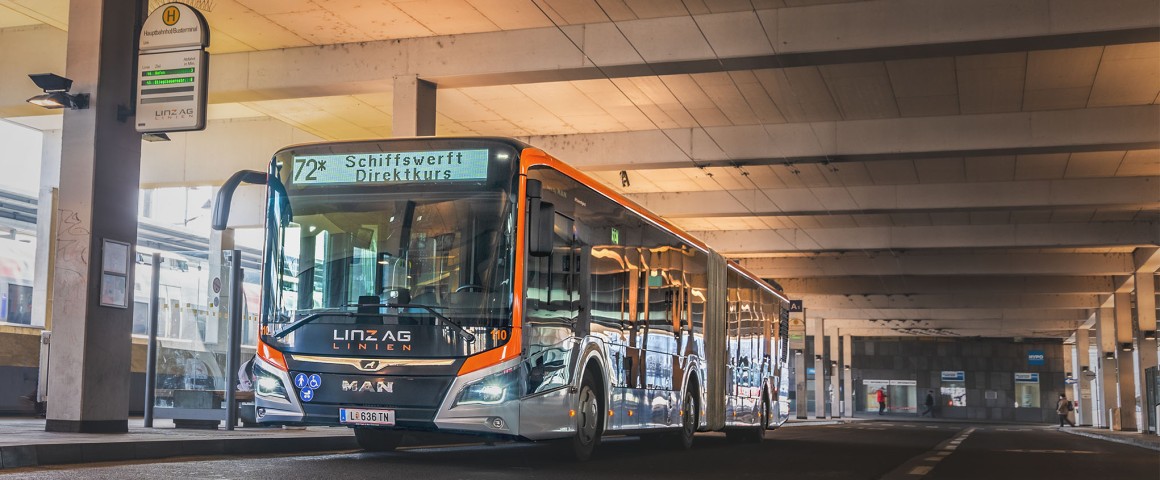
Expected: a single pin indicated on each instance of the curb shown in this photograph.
(1117, 439)
(21, 456)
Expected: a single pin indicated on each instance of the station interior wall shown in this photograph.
(989, 364)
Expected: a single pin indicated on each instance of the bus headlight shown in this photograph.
(268, 385)
(492, 389)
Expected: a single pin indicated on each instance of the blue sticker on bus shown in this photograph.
(300, 380)
(306, 394)
(315, 381)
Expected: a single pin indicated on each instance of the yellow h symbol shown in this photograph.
(170, 15)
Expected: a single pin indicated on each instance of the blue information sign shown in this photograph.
(1035, 357)
(300, 380)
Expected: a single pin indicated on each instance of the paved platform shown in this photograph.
(1145, 440)
(24, 443)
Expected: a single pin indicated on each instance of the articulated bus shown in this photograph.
(481, 286)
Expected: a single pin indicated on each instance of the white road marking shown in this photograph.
(923, 470)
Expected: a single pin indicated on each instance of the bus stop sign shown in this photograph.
(172, 70)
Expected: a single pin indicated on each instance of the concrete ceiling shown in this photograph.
(936, 168)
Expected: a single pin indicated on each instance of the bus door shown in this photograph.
(553, 312)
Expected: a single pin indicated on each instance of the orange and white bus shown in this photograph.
(481, 286)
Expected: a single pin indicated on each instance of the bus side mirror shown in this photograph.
(540, 239)
(541, 217)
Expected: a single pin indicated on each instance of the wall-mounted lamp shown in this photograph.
(1083, 368)
(1109, 355)
(1149, 334)
(797, 352)
(833, 363)
(847, 367)
(56, 92)
(1126, 347)
(155, 137)
(818, 357)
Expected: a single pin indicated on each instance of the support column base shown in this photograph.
(87, 426)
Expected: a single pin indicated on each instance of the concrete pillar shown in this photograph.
(1145, 356)
(799, 375)
(835, 369)
(819, 333)
(1125, 374)
(413, 107)
(848, 375)
(1106, 367)
(1081, 391)
(88, 375)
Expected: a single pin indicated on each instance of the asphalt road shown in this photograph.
(865, 450)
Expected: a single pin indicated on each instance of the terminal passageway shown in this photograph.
(861, 450)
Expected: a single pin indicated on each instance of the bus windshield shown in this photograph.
(431, 263)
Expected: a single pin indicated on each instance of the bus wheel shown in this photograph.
(377, 440)
(589, 416)
(690, 411)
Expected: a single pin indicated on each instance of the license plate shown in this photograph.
(359, 416)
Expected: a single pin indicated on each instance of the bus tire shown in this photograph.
(690, 419)
(378, 440)
(589, 421)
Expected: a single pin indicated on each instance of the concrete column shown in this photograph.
(1145, 356)
(819, 333)
(1106, 367)
(835, 375)
(88, 375)
(848, 375)
(1125, 374)
(414, 107)
(799, 375)
(1081, 391)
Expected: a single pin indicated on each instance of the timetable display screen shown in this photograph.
(386, 168)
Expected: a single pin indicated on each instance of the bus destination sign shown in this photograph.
(391, 167)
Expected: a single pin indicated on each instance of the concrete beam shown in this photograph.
(922, 263)
(960, 301)
(1109, 234)
(960, 314)
(981, 328)
(773, 38)
(947, 285)
(875, 199)
(1090, 129)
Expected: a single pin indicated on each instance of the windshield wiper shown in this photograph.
(310, 318)
(463, 332)
(467, 335)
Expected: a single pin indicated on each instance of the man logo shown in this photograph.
(378, 386)
(369, 365)
(171, 15)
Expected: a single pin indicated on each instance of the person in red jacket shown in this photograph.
(881, 397)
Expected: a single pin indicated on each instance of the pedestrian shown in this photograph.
(881, 397)
(928, 404)
(1063, 407)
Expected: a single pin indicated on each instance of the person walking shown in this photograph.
(1063, 407)
(928, 404)
(881, 397)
